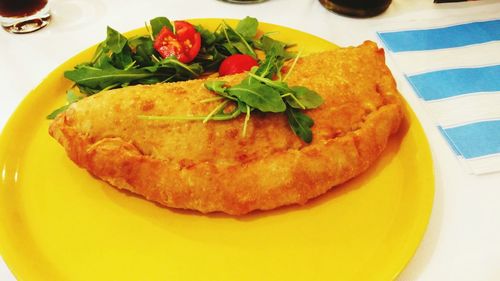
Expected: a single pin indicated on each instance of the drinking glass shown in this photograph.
(357, 8)
(244, 1)
(24, 16)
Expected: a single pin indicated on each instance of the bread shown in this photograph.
(211, 167)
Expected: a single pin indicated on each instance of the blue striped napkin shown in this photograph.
(455, 72)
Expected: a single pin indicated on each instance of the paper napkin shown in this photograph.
(455, 72)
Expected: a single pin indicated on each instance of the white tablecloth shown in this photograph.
(463, 238)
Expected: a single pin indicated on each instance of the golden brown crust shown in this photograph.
(211, 167)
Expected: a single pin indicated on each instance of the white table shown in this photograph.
(463, 238)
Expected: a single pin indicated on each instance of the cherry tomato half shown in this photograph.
(184, 44)
(237, 63)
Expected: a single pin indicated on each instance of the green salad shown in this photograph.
(179, 51)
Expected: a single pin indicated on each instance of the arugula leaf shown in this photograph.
(258, 96)
(243, 107)
(113, 52)
(56, 112)
(210, 58)
(247, 27)
(216, 86)
(98, 52)
(158, 23)
(271, 65)
(71, 97)
(304, 98)
(268, 44)
(225, 41)
(102, 78)
(207, 36)
(122, 59)
(230, 48)
(300, 123)
(102, 62)
(232, 33)
(276, 55)
(243, 49)
(115, 41)
(88, 90)
(181, 70)
(278, 85)
(267, 68)
(143, 46)
(209, 52)
(221, 116)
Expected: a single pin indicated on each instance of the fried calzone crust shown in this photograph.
(210, 166)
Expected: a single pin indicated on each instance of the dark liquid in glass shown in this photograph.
(357, 8)
(20, 8)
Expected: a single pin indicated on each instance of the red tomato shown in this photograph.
(237, 63)
(184, 44)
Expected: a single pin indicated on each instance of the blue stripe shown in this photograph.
(441, 38)
(450, 142)
(476, 139)
(455, 82)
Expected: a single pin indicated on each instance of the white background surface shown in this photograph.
(463, 238)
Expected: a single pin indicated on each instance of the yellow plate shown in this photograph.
(60, 223)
